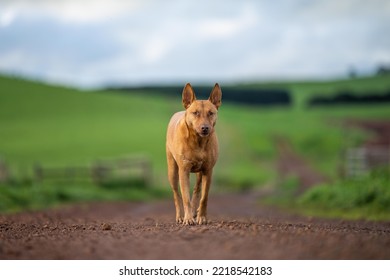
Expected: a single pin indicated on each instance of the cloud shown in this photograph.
(7, 16)
(73, 11)
(96, 42)
(227, 27)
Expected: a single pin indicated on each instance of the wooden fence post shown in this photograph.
(4, 172)
(99, 173)
(38, 172)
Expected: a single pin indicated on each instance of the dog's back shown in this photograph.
(173, 126)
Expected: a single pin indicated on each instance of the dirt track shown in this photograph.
(239, 229)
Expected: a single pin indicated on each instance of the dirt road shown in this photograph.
(239, 229)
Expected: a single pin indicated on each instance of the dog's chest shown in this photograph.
(194, 163)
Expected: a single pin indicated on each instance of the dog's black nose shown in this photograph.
(205, 129)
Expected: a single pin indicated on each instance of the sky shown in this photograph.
(97, 43)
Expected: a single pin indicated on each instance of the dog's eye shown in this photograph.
(211, 113)
(196, 113)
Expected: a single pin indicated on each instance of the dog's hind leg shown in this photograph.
(173, 177)
(196, 194)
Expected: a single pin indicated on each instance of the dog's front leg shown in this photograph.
(202, 210)
(196, 194)
(184, 177)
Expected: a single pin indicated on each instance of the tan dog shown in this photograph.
(192, 146)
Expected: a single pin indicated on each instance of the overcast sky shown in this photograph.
(93, 43)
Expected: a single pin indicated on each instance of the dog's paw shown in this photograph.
(188, 221)
(201, 220)
(179, 220)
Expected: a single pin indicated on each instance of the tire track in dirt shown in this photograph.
(379, 128)
(290, 163)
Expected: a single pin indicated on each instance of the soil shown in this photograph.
(239, 228)
(290, 163)
(380, 130)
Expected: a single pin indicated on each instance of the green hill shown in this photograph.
(56, 125)
(303, 90)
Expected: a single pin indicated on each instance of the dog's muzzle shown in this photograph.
(204, 130)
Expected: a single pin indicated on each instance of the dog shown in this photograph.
(192, 147)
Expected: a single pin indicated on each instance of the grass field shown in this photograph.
(59, 126)
(64, 126)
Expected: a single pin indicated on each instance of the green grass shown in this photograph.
(365, 198)
(58, 126)
(316, 134)
(33, 196)
(352, 198)
(352, 193)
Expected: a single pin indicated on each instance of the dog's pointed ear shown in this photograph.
(188, 95)
(216, 96)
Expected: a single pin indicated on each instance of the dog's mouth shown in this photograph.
(203, 133)
(204, 130)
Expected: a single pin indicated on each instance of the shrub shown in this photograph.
(370, 192)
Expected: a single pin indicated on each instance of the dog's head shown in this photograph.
(201, 115)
